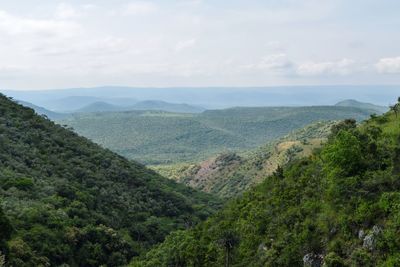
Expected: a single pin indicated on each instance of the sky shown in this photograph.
(46, 44)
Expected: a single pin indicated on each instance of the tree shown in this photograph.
(228, 241)
(5, 231)
(396, 107)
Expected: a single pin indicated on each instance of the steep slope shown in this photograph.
(72, 202)
(230, 174)
(340, 207)
(165, 138)
(358, 104)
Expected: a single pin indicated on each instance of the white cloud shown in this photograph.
(388, 65)
(275, 63)
(65, 11)
(272, 63)
(185, 44)
(341, 67)
(15, 25)
(140, 8)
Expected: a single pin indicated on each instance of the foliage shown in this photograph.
(230, 174)
(72, 202)
(155, 138)
(341, 204)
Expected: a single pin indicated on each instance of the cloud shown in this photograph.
(341, 67)
(388, 65)
(65, 11)
(185, 44)
(140, 8)
(272, 63)
(15, 25)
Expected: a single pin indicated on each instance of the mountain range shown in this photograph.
(217, 97)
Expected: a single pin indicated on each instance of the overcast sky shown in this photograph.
(75, 43)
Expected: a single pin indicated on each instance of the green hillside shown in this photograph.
(357, 104)
(152, 137)
(44, 112)
(72, 203)
(230, 174)
(339, 207)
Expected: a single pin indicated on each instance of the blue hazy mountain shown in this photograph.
(221, 97)
(76, 102)
(102, 106)
(42, 111)
(362, 105)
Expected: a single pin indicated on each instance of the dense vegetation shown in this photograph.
(339, 207)
(230, 174)
(65, 200)
(165, 138)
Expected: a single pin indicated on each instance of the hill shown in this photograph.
(339, 207)
(165, 106)
(141, 105)
(357, 104)
(42, 111)
(224, 97)
(70, 103)
(72, 202)
(99, 106)
(153, 137)
(230, 174)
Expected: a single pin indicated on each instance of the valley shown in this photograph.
(158, 137)
(198, 133)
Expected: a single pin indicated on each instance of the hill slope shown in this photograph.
(339, 207)
(357, 104)
(230, 174)
(104, 106)
(71, 202)
(165, 138)
(98, 106)
(42, 111)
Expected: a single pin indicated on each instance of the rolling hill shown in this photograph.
(71, 202)
(339, 207)
(42, 111)
(358, 104)
(154, 137)
(141, 105)
(230, 174)
(223, 97)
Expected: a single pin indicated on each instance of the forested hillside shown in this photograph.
(163, 138)
(68, 201)
(339, 207)
(230, 174)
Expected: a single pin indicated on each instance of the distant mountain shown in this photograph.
(42, 111)
(165, 106)
(74, 103)
(70, 103)
(362, 105)
(221, 97)
(99, 107)
(102, 106)
(156, 137)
